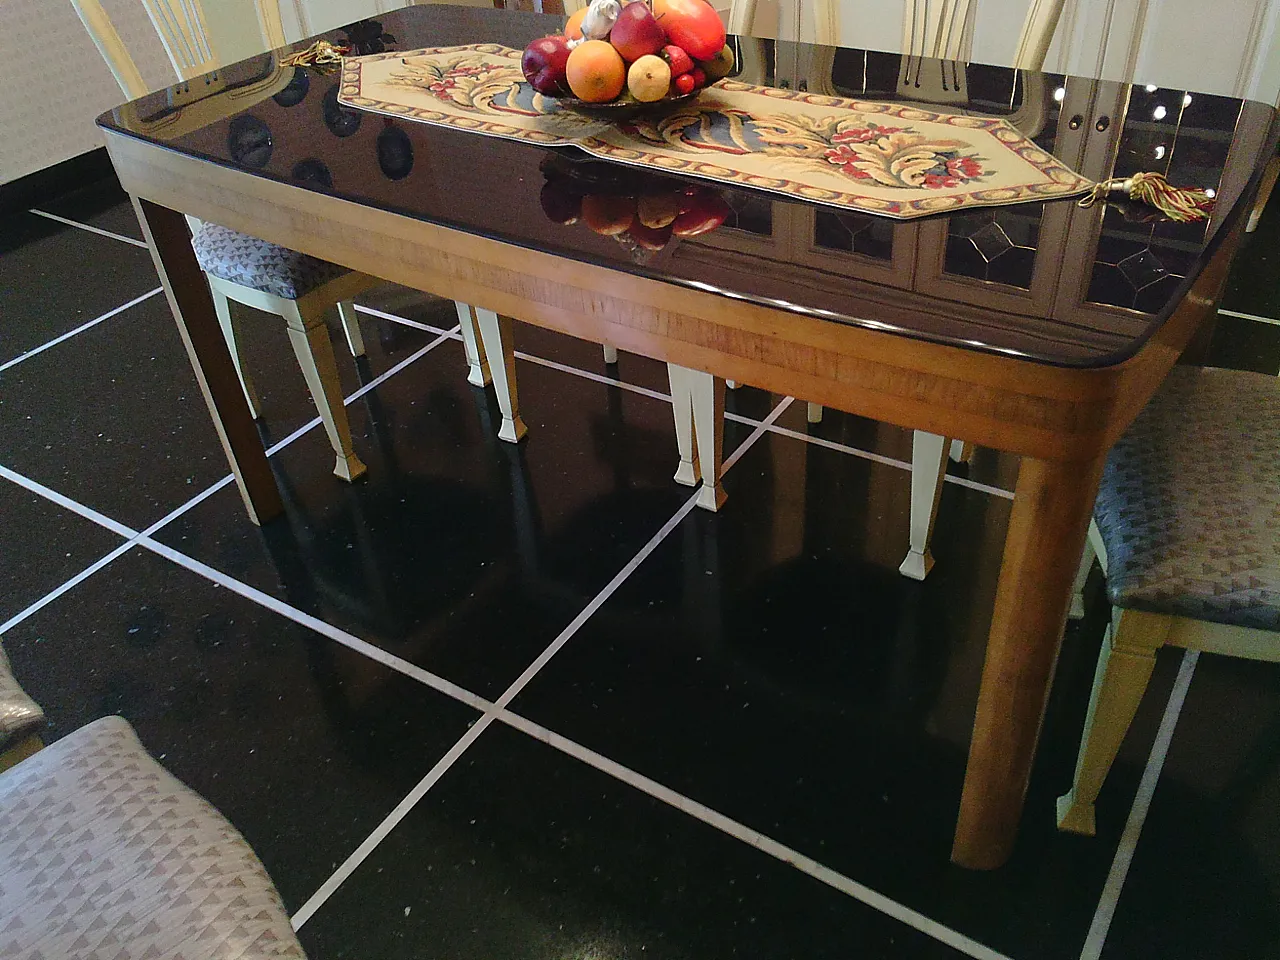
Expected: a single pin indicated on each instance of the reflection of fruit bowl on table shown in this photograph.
(617, 60)
(641, 211)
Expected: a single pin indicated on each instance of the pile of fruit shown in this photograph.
(640, 210)
(614, 51)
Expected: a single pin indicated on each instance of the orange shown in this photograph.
(596, 71)
(573, 28)
(608, 215)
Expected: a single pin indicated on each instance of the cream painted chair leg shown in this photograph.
(222, 307)
(1124, 667)
(610, 353)
(495, 334)
(928, 465)
(708, 433)
(961, 452)
(682, 410)
(478, 374)
(1082, 575)
(813, 412)
(314, 350)
(351, 327)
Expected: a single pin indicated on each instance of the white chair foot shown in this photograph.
(478, 374)
(711, 498)
(496, 335)
(961, 452)
(813, 412)
(1076, 817)
(610, 353)
(928, 466)
(731, 384)
(916, 565)
(697, 402)
(349, 468)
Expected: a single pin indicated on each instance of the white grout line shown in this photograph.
(597, 602)
(1249, 316)
(352, 863)
(60, 590)
(135, 537)
(404, 321)
(756, 434)
(89, 227)
(1138, 812)
(358, 856)
(597, 377)
(101, 519)
(80, 329)
(879, 458)
(754, 838)
(350, 640)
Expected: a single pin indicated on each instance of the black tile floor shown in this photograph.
(523, 702)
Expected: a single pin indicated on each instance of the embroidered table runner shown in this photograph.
(880, 158)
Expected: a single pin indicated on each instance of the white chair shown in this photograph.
(1184, 527)
(941, 29)
(299, 288)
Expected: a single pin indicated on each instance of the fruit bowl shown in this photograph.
(621, 110)
(618, 59)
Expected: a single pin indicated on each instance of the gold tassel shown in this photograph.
(1183, 204)
(320, 54)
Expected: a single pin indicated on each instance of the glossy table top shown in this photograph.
(1045, 281)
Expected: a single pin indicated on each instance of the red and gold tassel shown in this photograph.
(1183, 204)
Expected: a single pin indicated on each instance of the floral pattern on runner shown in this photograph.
(892, 159)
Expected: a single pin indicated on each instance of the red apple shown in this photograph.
(708, 212)
(636, 33)
(680, 61)
(559, 203)
(699, 77)
(691, 24)
(544, 63)
(651, 238)
(683, 83)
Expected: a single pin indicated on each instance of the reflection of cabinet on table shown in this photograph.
(1093, 271)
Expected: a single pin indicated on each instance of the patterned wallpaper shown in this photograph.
(53, 82)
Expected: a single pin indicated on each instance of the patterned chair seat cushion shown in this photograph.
(107, 857)
(1189, 505)
(19, 714)
(260, 265)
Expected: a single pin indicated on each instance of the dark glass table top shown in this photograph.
(1046, 281)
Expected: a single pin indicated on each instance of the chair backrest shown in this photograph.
(182, 30)
(826, 23)
(943, 30)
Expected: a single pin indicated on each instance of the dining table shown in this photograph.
(1039, 329)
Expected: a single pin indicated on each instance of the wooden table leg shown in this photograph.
(184, 284)
(1051, 509)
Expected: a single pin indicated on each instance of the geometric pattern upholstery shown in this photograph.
(18, 712)
(259, 265)
(1189, 504)
(105, 856)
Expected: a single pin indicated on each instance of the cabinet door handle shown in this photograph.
(1076, 122)
(1102, 124)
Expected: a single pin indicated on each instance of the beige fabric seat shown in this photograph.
(106, 856)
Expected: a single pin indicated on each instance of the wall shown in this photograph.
(53, 82)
